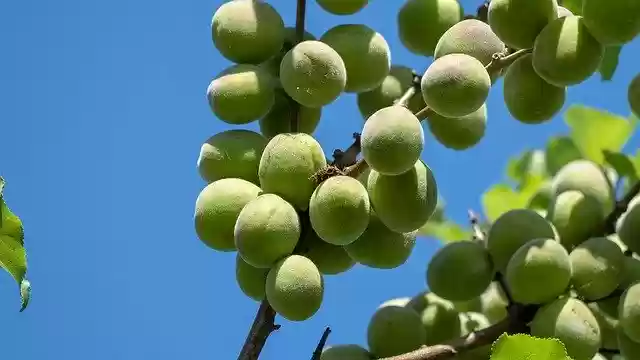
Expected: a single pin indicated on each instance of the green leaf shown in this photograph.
(527, 347)
(445, 231)
(575, 6)
(529, 163)
(501, 198)
(560, 151)
(609, 62)
(594, 131)
(622, 164)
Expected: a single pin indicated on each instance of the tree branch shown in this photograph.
(301, 11)
(323, 340)
(342, 159)
(263, 325)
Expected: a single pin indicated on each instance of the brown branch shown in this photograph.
(301, 11)
(263, 325)
(323, 340)
(620, 208)
(342, 159)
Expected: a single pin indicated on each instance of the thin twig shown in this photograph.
(342, 159)
(323, 340)
(301, 11)
(263, 325)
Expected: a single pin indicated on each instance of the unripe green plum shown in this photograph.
(421, 23)
(455, 85)
(287, 165)
(518, 22)
(473, 321)
(494, 303)
(629, 312)
(630, 272)
(342, 7)
(231, 154)
(217, 209)
(392, 140)
(404, 202)
(563, 11)
(629, 349)
(529, 98)
(565, 53)
(278, 120)
(272, 65)
(472, 37)
(597, 268)
(241, 94)
(613, 22)
(629, 228)
(365, 53)
(345, 352)
(247, 31)
(440, 320)
(512, 230)
(538, 272)
(460, 271)
(250, 279)
(541, 200)
(606, 312)
(313, 74)
(381, 248)
(633, 95)
(330, 259)
(394, 330)
(334, 200)
(267, 229)
(295, 288)
(575, 217)
(587, 177)
(570, 321)
(394, 85)
(459, 133)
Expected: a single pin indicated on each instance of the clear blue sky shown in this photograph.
(102, 115)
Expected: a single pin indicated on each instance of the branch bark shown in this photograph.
(263, 325)
(301, 11)
(323, 340)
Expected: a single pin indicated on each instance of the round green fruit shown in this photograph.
(421, 23)
(278, 120)
(494, 303)
(629, 349)
(345, 352)
(272, 65)
(472, 37)
(629, 230)
(614, 22)
(606, 312)
(633, 95)
(575, 216)
(250, 279)
(401, 302)
(394, 330)
(587, 177)
(629, 312)
(394, 85)
(440, 320)
(518, 22)
(342, 7)
(597, 268)
(330, 259)
(630, 272)
(459, 133)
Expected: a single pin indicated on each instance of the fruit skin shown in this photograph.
(565, 53)
(247, 31)
(366, 55)
(287, 165)
(345, 352)
(584, 176)
(231, 154)
(472, 37)
(334, 200)
(529, 98)
(313, 74)
(272, 65)
(394, 330)
(633, 95)
(629, 312)
(630, 272)
(503, 242)
(440, 318)
(421, 23)
(575, 217)
(518, 22)
(342, 7)
(563, 11)
(241, 94)
(267, 229)
(459, 133)
(471, 264)
(330, 259)
(392, 140)
(278, 120)
(629, 349)
(455, 85)
(615, 22)
(570, 321)
(629, 229)
(404, 202)
(217, 208)
(538, 272)
(381, 248)
(295, 288)
(606, 312)
(399, 79)
(251, 280)
(597, 268)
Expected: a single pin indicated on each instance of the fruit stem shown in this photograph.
(301, 11)
(323, 340)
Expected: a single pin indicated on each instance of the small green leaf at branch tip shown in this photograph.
(529, 163)
(25, 293)
(501, 198)
(594, 131)
(622, 164)
(527, 347)
(609, 62)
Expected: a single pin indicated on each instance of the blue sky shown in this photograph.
(102, 115)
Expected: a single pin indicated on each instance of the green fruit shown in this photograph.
(241, 94)
(404, 202)
(231, 154)
(330, 259)
(381, 248)
(392, 140)
(541, 200)
(460, 271)
(295, 288)
(560, 151)
(217, 209)
(247, 31)
(494, 303)
(421, 23)
(565, 53)
(529, 98)
(606, 312)
(629, 229)
(342, 7)
(538, 272)
(518, 22)
(287, 165)
(512, 230)
(597, 268)
(334, 200)
(455, 85)
(401, 302)
(587, 177)
(278, 120)
(473, 321)
(250, 279)
(272, 65)
(440, 320)
(630, 272)
(472, 37)
(459, 133)
(394, 330)
(614, 22)
(267, 229)
(563, 11)
(629, 312)
(576, 217)
(313, 74)
(629, 349)
(345, 352)
(570, 321)
(633, 95)
(365, 53)
(394, 85)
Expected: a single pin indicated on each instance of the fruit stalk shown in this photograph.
(323, 340)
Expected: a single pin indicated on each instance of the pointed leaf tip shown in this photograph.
(25, 294)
